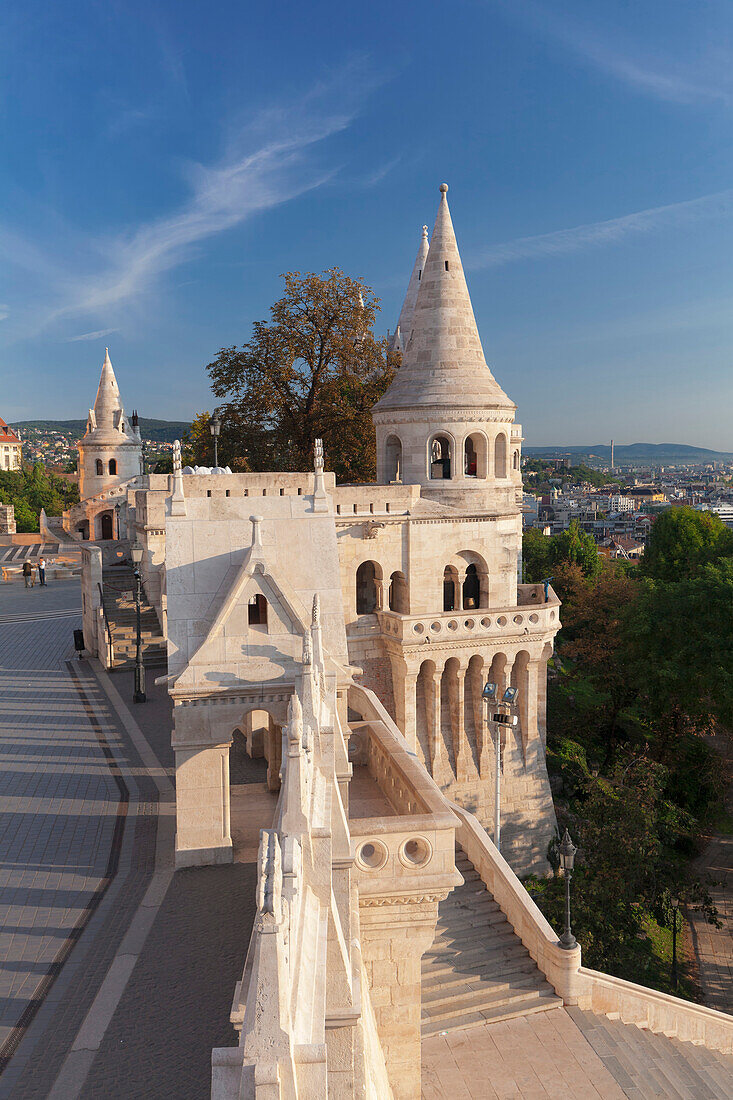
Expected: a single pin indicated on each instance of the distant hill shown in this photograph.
(639, 454)
(160, 431)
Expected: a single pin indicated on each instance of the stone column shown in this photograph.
(404, 683)
(438, 762)
(461, 741)
(274, 755)
(202, 805)
(394, 938)
(383, 594)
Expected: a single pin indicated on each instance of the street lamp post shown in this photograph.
(498, 720)
(215, 428)
(117, 519)
(139, 695)
(675, 911)
(567, 852)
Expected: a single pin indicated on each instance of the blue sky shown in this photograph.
(163, 163)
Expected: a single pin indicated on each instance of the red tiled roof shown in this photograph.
(7, 435)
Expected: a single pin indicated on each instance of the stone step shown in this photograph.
(451, 962)
(463, 944)
(475, 996)
(527, 1007)
(512, 970)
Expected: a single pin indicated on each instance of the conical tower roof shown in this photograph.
(107, 422)
(404, 324)
(444, 363)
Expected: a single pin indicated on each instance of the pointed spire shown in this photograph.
(107, 401)
(444, 361)
(402, 332)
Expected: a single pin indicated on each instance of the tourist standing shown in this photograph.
(27, 574)
(42, 571)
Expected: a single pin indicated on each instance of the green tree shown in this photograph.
(682, 542)
(535, 555)
(315, 370)
(576, 547)
(198, 443)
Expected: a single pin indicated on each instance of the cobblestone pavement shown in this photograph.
(75, 873)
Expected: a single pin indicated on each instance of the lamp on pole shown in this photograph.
(497, 721)
(567, 852)
(117, 519)
(215, 428)
(675, 911)
(139, 695)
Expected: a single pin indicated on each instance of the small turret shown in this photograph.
(110, 452)
(399, 338)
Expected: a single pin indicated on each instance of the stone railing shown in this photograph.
(302, 1005)
(407, 784)
(414, 850)
(521, 620)
(381, 500)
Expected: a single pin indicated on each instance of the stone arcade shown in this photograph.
(344, 633)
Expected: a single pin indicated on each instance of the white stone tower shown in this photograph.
(445, 420)
(110, 452)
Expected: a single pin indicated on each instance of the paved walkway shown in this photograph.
(713, 947)
(117, 975)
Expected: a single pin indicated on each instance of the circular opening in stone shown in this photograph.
(501, 621)
(486, 623)
(453, 625)
(419, 628)
(469, 624)
(534, 618)
(415, 852)
(518, 619)
(436, 627)
(372, 855)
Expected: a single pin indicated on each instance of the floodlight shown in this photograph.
(489, 692)
(510, 696)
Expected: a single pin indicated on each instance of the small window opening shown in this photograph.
(208, 492)
(471, 589)
(446, 265)
(440, 458)
(228, 493)
(449, 589)
(282, 492)
(300, 491)
(100, 467)
(257, 611)
(113, 465)
(419, 275)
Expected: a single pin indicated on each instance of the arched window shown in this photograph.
(450, 588)
(393, 459)
(470, 458)
(440, 456)
(398, 595)
(257, 610)
(471, 588)
(515, 461)
(500, 456)
(113, 465)
(100, 467)
(367, 593)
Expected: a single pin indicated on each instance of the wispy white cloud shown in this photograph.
(269, 161)
(706, 76)
(98, 335)
(613, 231)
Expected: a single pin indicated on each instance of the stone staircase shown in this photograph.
(119, 606)
(478, 970)
(647, 1066)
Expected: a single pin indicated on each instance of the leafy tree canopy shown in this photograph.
(682, 542)
(33, 488)
(575, 546)
(314, 371)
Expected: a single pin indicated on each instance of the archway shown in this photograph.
(399, 598)
(450, 588)
(440, 458)
(99, 467)
(393, 459)
(471, 589)
(474, 456)
(113, 465)
(106, 527)
(368, 581)
(257, 610)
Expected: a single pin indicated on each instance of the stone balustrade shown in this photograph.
(526, 618)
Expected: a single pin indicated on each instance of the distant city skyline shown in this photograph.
(163, 168)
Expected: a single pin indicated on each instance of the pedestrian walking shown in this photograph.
(27, 574)
(42, 571)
